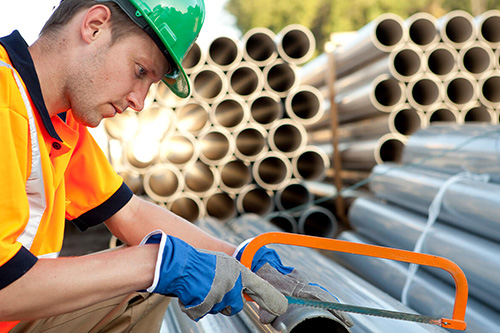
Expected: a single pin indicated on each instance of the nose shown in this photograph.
(137, 97)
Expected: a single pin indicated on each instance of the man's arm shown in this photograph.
(56, 286)
(139, 217)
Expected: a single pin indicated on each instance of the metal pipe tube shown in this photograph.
(476, 59)
(287, 136)
(201, 179)
(156, 122)
(310, 163)
(209, 83)
(318, 221)
(305, 105)
(220, 205)
(383, 94)
(390, 225)
(188, 206)
(250, 142)
(487, 28)
(141, 152)
(443, 113)
(272, 171)
(422, 30)
(179, 149)
(293, 198)
(489, 93)
(216, 145)
(357, 130)
(427, 295)
(348, 287)
(479, 113)
(163, 182)
(265, 108)
(123, 127)
(282, 220)
(234, 175)
(295, 44)
(457, 28)
(224, 52)
(424, 92)
(193, 117)
(245, 80)
(406, 121)
(461, 90)
(373, 41)
(194, 60)
(442, 60)
(255, 199)
(453, 148)
(230, 112)
(463, 202)
(280, 77)
(259, 46)
(313, 72)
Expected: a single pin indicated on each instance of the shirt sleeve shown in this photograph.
(94, 191)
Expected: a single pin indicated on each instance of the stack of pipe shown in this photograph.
(466, 231)
(239, 143)
(396, 76)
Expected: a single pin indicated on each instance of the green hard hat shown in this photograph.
(174, 25)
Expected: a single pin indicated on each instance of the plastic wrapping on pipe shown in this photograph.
(427, 294)
(393, 226)
(468, 204)
(453, 148)
(347, 286)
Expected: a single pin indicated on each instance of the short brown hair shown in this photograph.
(121, 24)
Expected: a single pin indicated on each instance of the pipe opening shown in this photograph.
(389, 32)
(422, 32)
(318, 221)
(293, 195)
(425, 92)
(460, 90)
(459, 29)
(187, 208)
(287, 138)
(161, 183)
(214, 146)
(407, 121)
(388, 92)
(244, 81)
(235, 174)
(199, 177)
(441, 61)
(305, 105)
(310, 165)
(391, 150)
(266, 109)
(477, 114)
(296, 44)
(177, 149)
(260, 47)
(229, 113)
(208, 84)
(271, 171)
(221, 206)
(250, 142)
(476, 60)
(223, 51)
(443, 115)
(489, 29)
(281, 77)
(192, 117)
(193, 58)
(256, 200)
(284, 222)
(490, 89)
(407, 62)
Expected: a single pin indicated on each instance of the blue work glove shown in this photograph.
(208, 282)
(291, 282)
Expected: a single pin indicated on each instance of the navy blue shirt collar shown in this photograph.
(17, 48)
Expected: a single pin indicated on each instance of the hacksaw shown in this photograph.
(461, 287)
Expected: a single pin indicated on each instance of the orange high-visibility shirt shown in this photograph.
(79, 184)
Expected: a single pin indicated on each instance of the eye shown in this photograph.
(141, 72)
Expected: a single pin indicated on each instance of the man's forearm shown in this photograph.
(56, 286)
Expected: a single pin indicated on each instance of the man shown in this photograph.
(94, 59)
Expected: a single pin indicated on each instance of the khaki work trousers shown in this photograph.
(137, 312)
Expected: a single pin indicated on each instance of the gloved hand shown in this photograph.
(208, 282)
(291, 282)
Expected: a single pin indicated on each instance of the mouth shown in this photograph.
(117, 110)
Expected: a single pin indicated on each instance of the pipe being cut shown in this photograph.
(224, 52)
(295, 44)
(259, 46)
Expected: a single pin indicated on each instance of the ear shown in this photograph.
(96, 21)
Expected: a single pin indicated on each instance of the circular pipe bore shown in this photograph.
(259, 46)
(295, 44)
(220, 205)
(266, 108)
(390, 149)
(272, 171)
(280, 77)
(310, 163)
(231, 112)
(305, 105)
(201, 179)
(179, 149)
(283, 220)
(293, 198)
(224, 53)
(406, 121)
(254, 199)
(424, 92)
(442, 60)
(387, 93)
(209, 83)
(443, 114)
(250, 142)
(195, 59)
(488, 23)
(188, 206)
(460, 90)
(422, 30)
(163, 182)
(457, 28)
(287, 136)
(123, 127)
(216, 145)
(476, 59)
(318, 221)
(245, 80)
(479, 113)
(192, 117)
(406, 62)
(489, 93)
(234, 175)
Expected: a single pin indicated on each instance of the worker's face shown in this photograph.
(113, 77)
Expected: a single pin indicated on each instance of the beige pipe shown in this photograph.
(310, 163)
(250, 142)
(295, 44)
(479, 113)
(259, 46)
(442, 60)
(230, 112)
(293, 198)
(272, 171)
(163, 182)
(209, 83)
(122, 127)
(220, 205)
(461, 90)
(255, 199)
(265, 108)
(193, 117)
(216, 145)
(179, 149)
(443, 113)
(280, 77)
(133, 179)
(287, 136)
(194, 60)
(165, 97)
(156, 122)
(422, 30)
(457, 28)
(141, 152)
(424, 92)
(487, 28)
(224, 52)
(188, 206)
(234, 175)
(305, 104)
(476, 59)
(406, 121)
(201, 179)
(282, 220)
(318, 221)
(246, 80)
(489, 92)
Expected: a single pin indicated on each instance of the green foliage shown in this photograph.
(324, 17)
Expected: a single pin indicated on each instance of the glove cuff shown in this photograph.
(156, 237)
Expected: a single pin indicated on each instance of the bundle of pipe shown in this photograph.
(395, 76)
(239, 143)
(347, 286)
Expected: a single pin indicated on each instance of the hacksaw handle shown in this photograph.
(461, 286)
